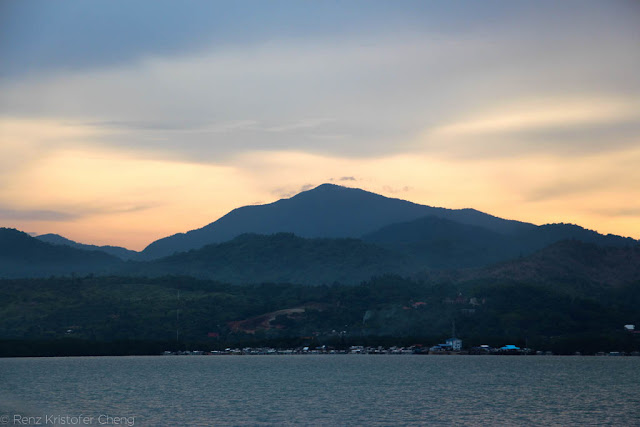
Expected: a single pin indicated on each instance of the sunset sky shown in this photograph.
(123, 122)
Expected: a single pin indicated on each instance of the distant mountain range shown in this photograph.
(116, 251)
(327, 211)
(571, 261)
(567, 263)
(324, 235)
(24, 256)
(281, 258)
(441, 243)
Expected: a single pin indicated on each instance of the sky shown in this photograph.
(123, 122)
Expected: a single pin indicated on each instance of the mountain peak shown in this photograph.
(56, 239)
(329, 188)
(24, 256)
(326, 211)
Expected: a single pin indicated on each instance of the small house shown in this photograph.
(455, 343)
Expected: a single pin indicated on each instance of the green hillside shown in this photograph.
(385, 309)
(24, 256)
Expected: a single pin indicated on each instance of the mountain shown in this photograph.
(547, 234)
(408, 249)
(281, 258)
(572, 261)
(327, 211)
(122, 253)
(567, 263)
(442, 243)
(24, 256)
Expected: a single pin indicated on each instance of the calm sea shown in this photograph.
(321, 390)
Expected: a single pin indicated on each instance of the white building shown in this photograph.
(455, 343)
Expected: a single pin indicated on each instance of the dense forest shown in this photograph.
(121, 315)
(331, 266)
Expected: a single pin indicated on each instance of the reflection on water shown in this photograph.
(326, 389)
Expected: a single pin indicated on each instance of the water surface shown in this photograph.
(325, 389)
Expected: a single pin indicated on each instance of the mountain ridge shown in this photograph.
(280, 258)
(402, 240)
(24, 256)
(572, 261)
(326, 211)
(120, 252)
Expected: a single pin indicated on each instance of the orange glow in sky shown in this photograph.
(523, 111)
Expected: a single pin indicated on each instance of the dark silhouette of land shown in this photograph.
(329, 266)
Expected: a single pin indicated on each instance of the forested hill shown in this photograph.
(24, 256)
(122, 253)
(387, 310)
(572, 261)
(282, 257)
(327, 211)
(433, 247)
(324, 235)
(425, 237)
(445, 244)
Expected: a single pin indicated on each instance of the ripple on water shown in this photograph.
(328, 389)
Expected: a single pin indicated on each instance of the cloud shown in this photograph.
(70, 213)
(548, 114)
(396, 190)
(302, 124)
(7, 214)
(288, 192)
(633, 212)
(117, 199)
(38, 37)
(216, 105)
(177, 127)
(360, 93)
(24, 142)
(562, 189)
(150, 119)
(556, 127)
(115, 207)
